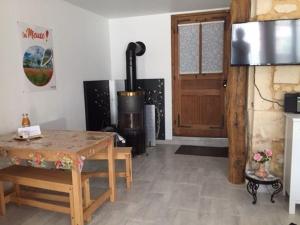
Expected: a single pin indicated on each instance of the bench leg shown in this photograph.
(111, 171)
(130, 163)
(18, 192)
(2, 200)
(86, 196)
(128, 173)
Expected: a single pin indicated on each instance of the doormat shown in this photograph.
(202, 151)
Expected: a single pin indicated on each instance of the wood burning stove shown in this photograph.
(131, 103)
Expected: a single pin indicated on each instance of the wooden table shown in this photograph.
(75, 145)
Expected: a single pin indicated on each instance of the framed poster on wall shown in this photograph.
(37, 57)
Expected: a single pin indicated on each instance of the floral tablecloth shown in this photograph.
(61, 145)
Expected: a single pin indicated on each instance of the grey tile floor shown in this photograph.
(171, 189)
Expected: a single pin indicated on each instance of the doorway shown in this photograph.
(200, 58)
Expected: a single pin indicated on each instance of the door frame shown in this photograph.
(191, 18)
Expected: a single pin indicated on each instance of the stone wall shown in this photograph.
(266, 119)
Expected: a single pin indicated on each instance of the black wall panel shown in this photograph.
(97, 104)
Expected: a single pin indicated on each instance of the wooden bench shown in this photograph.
(60, 182)
(121, 153)
(57, 181)
(54, 180)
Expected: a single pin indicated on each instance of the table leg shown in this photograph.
(111, 170)
(278, 188)
(77, 196)
(252, 189)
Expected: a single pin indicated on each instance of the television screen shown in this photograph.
(266, 43)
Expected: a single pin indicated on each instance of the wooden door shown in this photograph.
(199, 69)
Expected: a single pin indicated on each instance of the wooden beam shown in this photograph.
(237, 104)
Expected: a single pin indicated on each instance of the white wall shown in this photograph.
(155, 32)
(81, 52)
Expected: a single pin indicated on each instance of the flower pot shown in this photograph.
(261, 171)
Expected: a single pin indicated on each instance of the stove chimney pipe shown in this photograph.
(133, 50)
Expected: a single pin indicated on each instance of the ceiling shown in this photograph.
(129, 8)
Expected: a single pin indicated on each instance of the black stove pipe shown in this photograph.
(133, 50)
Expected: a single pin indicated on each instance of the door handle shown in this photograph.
(224, 83)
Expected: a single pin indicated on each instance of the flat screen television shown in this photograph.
(266, 43)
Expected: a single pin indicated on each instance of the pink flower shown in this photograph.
(58, 164)
(257, 157)
(268, 152)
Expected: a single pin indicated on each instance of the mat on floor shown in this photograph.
(203, 151)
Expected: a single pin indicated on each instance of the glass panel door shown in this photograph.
(201, 48)
(212, 47)
(189, 48)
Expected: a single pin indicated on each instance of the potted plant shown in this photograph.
(261, 157)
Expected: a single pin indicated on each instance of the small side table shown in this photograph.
(254, 182)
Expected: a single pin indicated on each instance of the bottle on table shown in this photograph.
(25, 120)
